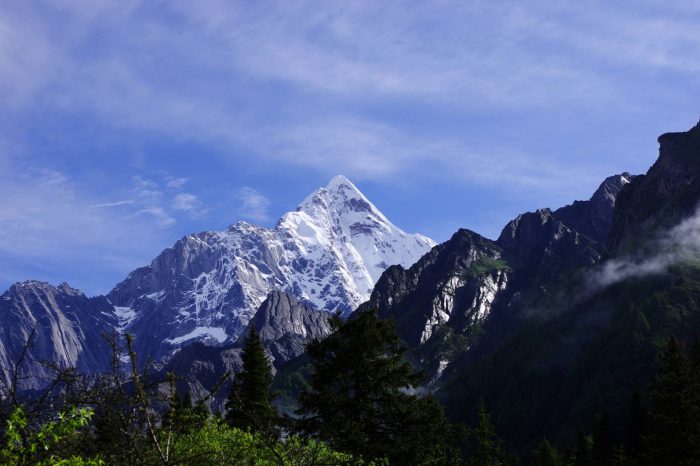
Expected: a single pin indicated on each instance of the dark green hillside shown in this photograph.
(568, 365)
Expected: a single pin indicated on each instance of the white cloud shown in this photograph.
(252, 204)
(175, 183)
(187, 202)
(678, 245)
(161, 217)
(48, 224)
(475, 55)
(114, 204)
(144, 188)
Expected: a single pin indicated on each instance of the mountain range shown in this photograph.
(327, 254)
(553, 322)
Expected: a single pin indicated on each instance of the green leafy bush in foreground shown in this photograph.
(215, 443)
(23, 446)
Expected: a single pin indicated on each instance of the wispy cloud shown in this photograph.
(50, 223)
(500, 55)
(161, 217)
(378, 91)
(52, 227)
(175, 183)
(145, 189)
(252, 204)
(678, 245)
(185, 201)
(114, 204)
(190, 204)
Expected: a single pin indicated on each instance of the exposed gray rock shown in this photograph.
(68, 328)
(456, 283)
(668, 193)
(285, 326)
(593, 218)
(541, 247)
(469, 292)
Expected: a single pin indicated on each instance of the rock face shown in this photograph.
(469, 290)
(593, 218)
(324, 257)
(455, 284)
(285, 326)
(541, 247)
(458, 282)
(328, 254)
(667, 193)
(589, 349)
(67, 326)
(544, 244)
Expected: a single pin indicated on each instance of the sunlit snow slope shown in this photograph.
(329, 252)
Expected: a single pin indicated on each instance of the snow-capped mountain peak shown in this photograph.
(338, 226)
(342, 197)
(328, 253)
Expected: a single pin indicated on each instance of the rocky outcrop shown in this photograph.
(454, 284)
(669, 192)
(593, 218)
(62, 326)
(541, 247)
(285, 326)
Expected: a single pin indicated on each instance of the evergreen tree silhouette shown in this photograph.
(249, 403)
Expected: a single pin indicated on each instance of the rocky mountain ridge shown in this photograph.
(62, 326)
(206, 287)
(584, 350)
(470, 289)
(284, 326)
(328, 253)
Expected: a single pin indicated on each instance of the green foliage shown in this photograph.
(551, 376)
(485, 264)
(485, 446)
(674, 417)
(25, 446)
(290, 381)
(215, 443)
(181, 416)
(249, 403)
(546, 455)
(212, 443)
(583, 455)
(359, 400)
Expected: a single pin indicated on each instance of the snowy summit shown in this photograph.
(328, 253)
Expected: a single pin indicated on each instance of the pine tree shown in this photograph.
(603, 450)
(674, 417)
(583, 456)
(636, 428)
(359, 403)
(486, 446)
(545, 455)
(249, 403)
(187, 400)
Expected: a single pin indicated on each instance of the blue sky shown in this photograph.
(125, 125)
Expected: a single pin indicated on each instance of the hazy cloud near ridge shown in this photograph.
(678, 245)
